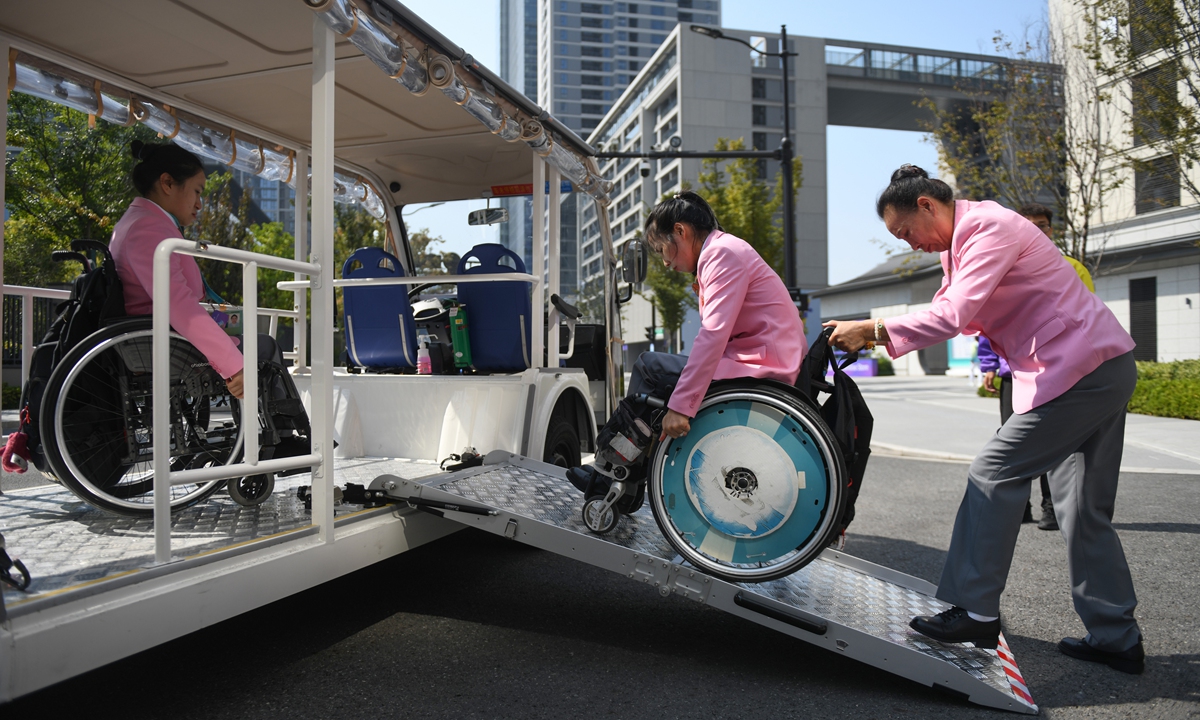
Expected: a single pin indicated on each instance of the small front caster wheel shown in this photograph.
(251, 490)
(599, 519)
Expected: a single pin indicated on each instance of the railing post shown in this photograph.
(250, 362)
(3, 169)
(554, 219)
(26, 336)
(323, 96)
(300, 329)
(162, 409)
(538, 256)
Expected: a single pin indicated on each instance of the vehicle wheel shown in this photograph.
(97, 420)
(597, 519)
(753, 492)
(251, 490)
(562, 444)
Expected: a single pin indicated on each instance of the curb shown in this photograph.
(890, 450)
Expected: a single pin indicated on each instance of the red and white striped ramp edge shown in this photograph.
(1014, 673)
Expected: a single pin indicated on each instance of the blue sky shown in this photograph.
(860, 160)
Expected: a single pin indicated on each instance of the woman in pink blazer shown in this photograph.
(170, 181)
(1073, 374)
(749, 327)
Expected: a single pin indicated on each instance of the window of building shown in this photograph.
(633, 37)
(591, 94)
(1143, 317)
(1155, 97)
(635, 66)
(633, 8)
(622, 65)
(564, 78)
(588, 109)
(1151, 25)
(592, 22)
(633, 51)
(657, 10)
(591, 51)
(758, 88)
(591, 8)
(637, 193)
(623, 205)
(658, 39)
(591, 37)
(668, 182)
(562, 35)
(658, 24)
(757, 59)
(562, 64)
(1156, 184)
(685, 3)
(633, 22)
(590, 80)
(631, 224)
(758, 114)
(759, 140)
(685, 17)
(593, 65)
(760, 165)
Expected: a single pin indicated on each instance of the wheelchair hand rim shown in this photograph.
(689, 541)
(69, 460)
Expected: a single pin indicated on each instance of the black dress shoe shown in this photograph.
(588, 481)
(1132, 661)
(955, 626)
(1048, 521)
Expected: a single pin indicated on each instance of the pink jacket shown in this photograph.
(139, 231)
(749, 326)
(1005, 279)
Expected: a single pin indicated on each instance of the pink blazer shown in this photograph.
(139, 231)
(1005, 279)
(749, 326)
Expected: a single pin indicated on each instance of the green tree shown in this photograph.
(222, 223)
(68, 180)
(745, 203)
(429, 260)
(1034, 131)
(1150, 49)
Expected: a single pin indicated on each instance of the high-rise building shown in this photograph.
(575, 59)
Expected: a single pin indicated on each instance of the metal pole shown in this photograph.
(538, 208)
(300, 326)
(250, 362)
(323, 93)
(555, 257)
(4, 134)
(160, 385)
(785, 151)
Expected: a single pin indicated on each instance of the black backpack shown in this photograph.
(844, 411)
(96, 299)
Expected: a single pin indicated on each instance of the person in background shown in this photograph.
(995, 367)
(1072, 375)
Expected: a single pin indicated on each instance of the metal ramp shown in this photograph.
(837, 602)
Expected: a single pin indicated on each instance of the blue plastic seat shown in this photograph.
(380, 331)
(498, 313)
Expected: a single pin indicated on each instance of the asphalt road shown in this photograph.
(474, 626)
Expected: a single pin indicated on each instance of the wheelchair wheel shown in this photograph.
(753, 491)
(97, 420)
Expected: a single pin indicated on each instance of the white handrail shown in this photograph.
(27, 294)
(163, 476)
(415, 280)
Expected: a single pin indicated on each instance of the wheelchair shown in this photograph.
(752, 493)
(97, 414)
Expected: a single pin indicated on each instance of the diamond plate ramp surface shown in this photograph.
(866, 607)
(66, 542)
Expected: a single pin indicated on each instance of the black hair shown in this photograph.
(1030, 210)
(685, 207)
(154, 159)
(910, 182)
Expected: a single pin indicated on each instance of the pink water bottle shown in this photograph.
(424, 367)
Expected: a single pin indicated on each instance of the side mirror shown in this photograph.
(634, 260)
(487, 216)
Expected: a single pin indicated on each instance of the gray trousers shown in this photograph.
(1077, 438)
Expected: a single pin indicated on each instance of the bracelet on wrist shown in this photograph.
(879, 330)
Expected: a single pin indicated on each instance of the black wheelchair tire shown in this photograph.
(836, 475)
(116, 497)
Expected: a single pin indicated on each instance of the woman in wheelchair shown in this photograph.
(170, 181)
(749, 328)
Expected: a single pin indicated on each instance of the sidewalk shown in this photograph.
(941, 418)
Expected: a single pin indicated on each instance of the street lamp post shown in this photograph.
(785, 148)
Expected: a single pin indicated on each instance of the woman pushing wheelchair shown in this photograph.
(749, 328)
